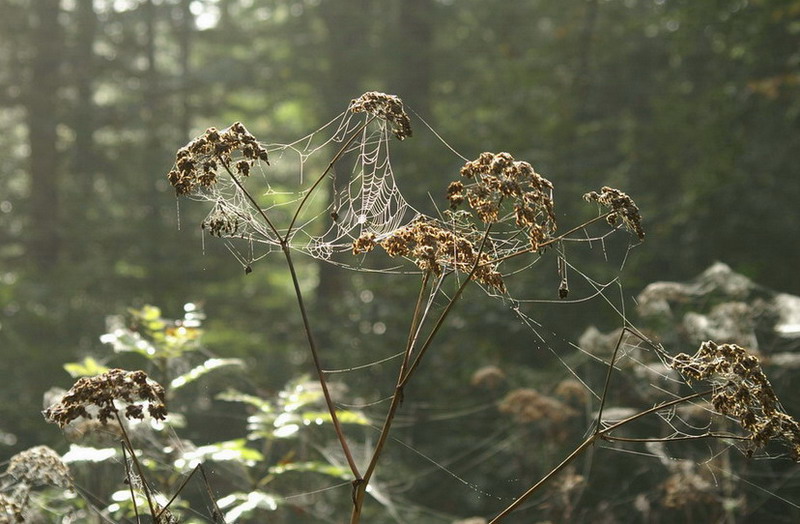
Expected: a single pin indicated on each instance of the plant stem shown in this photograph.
(137, 465)
(361, 487)
(320, 374)
(446, 311)
(404, 376)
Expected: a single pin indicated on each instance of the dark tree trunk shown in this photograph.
(42, 114)
(347, 25)
(84, 116)
(413, 42)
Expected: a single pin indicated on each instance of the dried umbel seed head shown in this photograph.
(741, 391)
(39, 465)
(196, 163)
(495, 178)
(489, 377)
(528, 405)
(572, 391)
(101, 393)
(622, 208)
(221, 223)
(434, 248)
(386, 107)
(364, 244)
(686, 487)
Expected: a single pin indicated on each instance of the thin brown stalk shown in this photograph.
(403, 378)
(608, 379)
(710, 434)
(451, 303)
(130, 484)
(318, 367)
(360, 487)
(137, 465)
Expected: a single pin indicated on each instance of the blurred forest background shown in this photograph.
(691, 107)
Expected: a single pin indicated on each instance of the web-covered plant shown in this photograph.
(501, 219)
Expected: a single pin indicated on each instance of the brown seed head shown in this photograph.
(102, 393)
(386, 107)
(622, 208)
(196, 163)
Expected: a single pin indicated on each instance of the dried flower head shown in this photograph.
(197, 162)
(103, 392)
(364, 244)
(497, 178)
(39, 465)
(386, 107)
(437, 249)
(488, 377)
(221, 222)
(685, 487)
(572, 391)
(528, 405)
(741, 391)
(622, 208)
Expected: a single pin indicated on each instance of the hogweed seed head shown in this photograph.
(101, 393)
(741, 391)
(495, 178)
(39, 465)
(622, 208)
(386, 107)
(528, 405)
(196, 163)
(435, 248)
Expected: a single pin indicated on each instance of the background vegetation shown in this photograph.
(690, 107)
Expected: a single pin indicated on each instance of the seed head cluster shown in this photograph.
(37, 466)
(494, 178)
(386, 107)
(742, 392)
(528, 405)
(434, 248)
(103, 392)
(622, 208)
(221, 223)
(196, 163)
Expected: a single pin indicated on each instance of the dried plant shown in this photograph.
(741, 391)
(99, 396)
(500, 208)
(528, 405)
(622, 208)
(39, 465)
(386, 107)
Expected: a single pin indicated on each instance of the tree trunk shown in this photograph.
(42, 114)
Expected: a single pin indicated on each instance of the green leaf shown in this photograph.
(230, 450)
(88, 367)
(316, 467)
(244, 504)
(232, 395)
(207, 366)
(345, 417)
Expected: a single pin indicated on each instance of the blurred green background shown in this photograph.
(692, 108)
